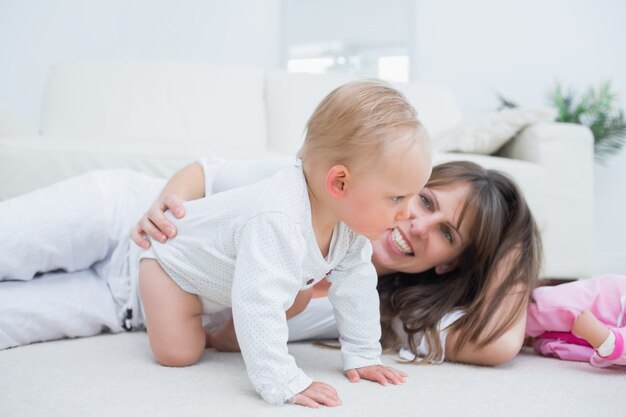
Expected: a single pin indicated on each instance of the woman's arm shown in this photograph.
(212, 175)
(186, 184)
(499, 351)
(506, 346)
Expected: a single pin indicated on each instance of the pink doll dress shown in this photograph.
(553, 310)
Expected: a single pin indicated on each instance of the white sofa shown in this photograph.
(158, 116)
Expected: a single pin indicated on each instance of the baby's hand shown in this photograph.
(379, 373)
(154, 222)
(316, 394)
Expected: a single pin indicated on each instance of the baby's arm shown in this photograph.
(267, 277)
(355, 300)
(316, 394)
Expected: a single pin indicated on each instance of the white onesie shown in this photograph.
(253, 248)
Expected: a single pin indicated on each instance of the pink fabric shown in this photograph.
(619, 347)
(566, 337)
(554, 309)
(616, 358)
(561, 349)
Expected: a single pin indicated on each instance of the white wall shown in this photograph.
(37, 33)
(520, 48)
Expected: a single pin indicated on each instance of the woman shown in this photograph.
(470, 251)
(471, 247)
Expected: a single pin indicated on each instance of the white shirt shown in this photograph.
(253, 248)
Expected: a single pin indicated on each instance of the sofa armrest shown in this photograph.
(565, 152)
(565, 149)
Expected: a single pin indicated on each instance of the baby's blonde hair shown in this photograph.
(357, 120)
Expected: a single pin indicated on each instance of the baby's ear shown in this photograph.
(336, 180)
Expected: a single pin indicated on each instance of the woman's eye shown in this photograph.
(397, 198)
(447, 234)
(425, 201)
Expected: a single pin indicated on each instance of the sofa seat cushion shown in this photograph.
(24, 159)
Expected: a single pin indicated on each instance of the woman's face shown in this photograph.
(429, 238)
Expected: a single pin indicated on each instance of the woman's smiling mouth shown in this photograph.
(398, 242)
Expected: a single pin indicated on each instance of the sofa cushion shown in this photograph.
(436, 105)
(291, 99)
(155, 102)
(489, 133)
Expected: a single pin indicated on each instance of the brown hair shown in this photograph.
(357, 119)
(502, 226)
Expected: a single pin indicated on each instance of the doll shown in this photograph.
(582, 320)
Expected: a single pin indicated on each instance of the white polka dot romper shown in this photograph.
(253, 248)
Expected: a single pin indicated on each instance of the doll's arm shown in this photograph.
(608, 343)
(588, 327)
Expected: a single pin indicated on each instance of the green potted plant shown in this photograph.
(598, 110)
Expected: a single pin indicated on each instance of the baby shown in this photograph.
(365, 156)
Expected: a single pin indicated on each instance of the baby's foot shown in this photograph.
(224, 339)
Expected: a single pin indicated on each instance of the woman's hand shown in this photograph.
(185, 185)
(316, 394)
(378, 373)
(154, 223)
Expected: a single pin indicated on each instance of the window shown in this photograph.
(367, 37)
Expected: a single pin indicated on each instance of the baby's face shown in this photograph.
(379, 196)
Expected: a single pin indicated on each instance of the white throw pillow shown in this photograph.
(487, 134)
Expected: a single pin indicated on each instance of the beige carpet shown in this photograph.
(115, 375)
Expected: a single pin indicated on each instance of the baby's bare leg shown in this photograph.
(225, 338)
(588, 327)
(173, 317)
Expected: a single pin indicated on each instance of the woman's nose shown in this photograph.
(420, 226)
(413, 210)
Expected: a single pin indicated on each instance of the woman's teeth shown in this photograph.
(400, 243)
